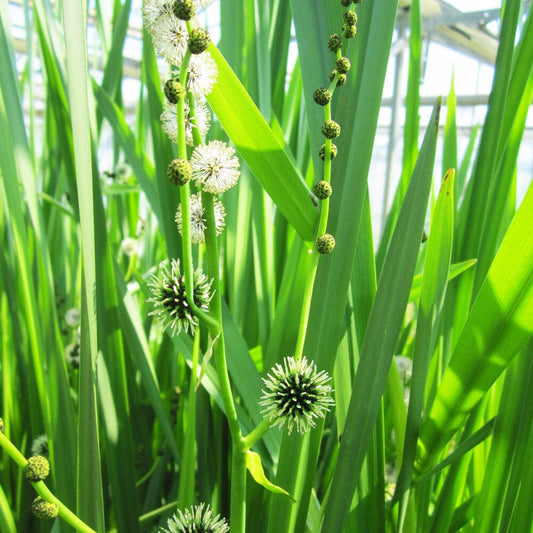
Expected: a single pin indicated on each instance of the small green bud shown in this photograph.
(322, 190)
(322, 96)
(184, 9)
(350, 32)
(341, 78)
(346, 3)
(325, 243)
(198, 40)
(332, 153)
(179, 171)
(342, 65)
(37, 468)
(334, 42)
(330, 129)
(350, 17)
(174, 90)
(43, 509)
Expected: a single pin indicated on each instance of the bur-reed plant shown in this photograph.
(198, 331)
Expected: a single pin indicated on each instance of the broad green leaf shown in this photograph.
(261, 149)
(255, 467)
(499, 324)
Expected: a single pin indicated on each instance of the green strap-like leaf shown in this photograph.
(261, 149)
(254, 466)
(500, 323)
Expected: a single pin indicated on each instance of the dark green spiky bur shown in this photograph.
(322, 96)
(198, 40)
(174, 90)
(322, 190)
(350, 32)
(44, 509)
(350, 18)
(37, 468)
(335, 42)
(325, 243)
(184, 9)
(332, 152)
(179, 171)
(330, 129)
(342, 65)
(346, 3)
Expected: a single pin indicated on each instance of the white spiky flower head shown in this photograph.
(296, 394)
(170, 298)
(202, 74)
(196, 519)
(198, 221)
(169, 121)
(214, 167)
(169, 34)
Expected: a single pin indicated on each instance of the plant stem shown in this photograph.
(238, 473)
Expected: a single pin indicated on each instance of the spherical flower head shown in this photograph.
(153, 10)
(198, 40)
(325, 243)
(40, 446)
(350, 18)
(322, 96)
(170, 299)
(335, 42)
(346, 3)
(169, 121)
(198, 222)
(184, 9)
(37, 468)
(350, 31)
(174, 90)
(342, 65)
(73, 317)
(202, 74)
(196, 519)
(330, 129)
(170, 36)
(332, 153)
(322, 190)
(296, 394)
(44, 509)
(179, 171)
(214, 167)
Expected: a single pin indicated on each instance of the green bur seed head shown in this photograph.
(346, 3)
(350, 17)
(322, 190)
(334, 42)
(179, 171)
(350, 32)
(184, 9)
(322, 96)
(296, 394)
(174, 90)
(43, 509)
(199, 40)
(342, 65)
(37, 468)
(196, 519)
(330, 129)
(332, 153)
(325, 243)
